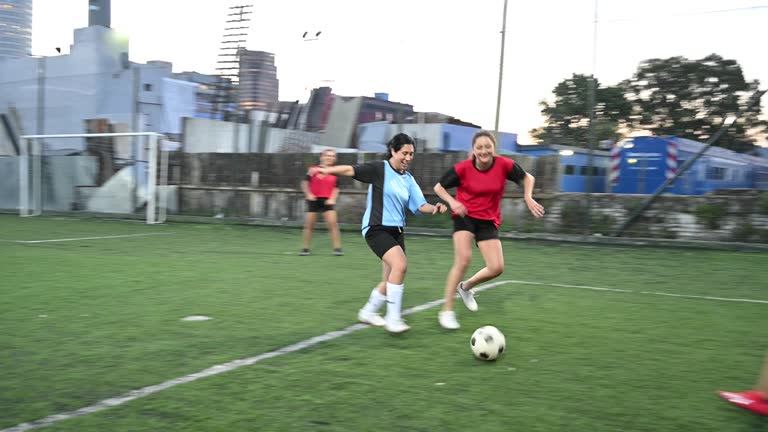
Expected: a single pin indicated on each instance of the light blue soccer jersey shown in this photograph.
(389, 194)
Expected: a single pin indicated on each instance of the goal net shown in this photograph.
(98, 173)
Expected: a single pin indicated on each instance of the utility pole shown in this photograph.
(591, 96)
(501, 72)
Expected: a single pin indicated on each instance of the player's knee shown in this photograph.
(496, 269)
(400, 267)
(462, 262)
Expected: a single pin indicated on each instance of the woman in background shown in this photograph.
(321, 191)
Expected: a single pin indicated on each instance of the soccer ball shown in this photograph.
(487, 343)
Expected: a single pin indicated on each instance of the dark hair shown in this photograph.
(479, 134)
(397, 142)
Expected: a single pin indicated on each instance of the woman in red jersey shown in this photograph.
(321, 191)
(476, 213)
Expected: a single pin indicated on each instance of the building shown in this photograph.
(55, 95)
(99, 13)
(380, 108)
(429, 137)
(318, 108)
(207, 94)
(15, 28)
(259, 86)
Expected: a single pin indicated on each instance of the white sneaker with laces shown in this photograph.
(396, 326)
(468, 296)
(371, 318)
(448, 320)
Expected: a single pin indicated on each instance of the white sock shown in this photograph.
(394, 301)
(375, 301)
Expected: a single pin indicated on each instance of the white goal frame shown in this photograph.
(30, 172)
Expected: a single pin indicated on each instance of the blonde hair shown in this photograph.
(322, 153)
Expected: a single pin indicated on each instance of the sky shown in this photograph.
(437, 55)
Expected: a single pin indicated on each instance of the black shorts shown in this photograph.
(382, 238)
(481, 228)
(318, 206)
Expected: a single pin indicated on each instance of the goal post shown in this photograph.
(110, 173)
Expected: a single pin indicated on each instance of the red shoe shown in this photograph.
(752, 400)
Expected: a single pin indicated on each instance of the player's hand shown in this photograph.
(311, 197)
(330, 202)
(537, 210)
(315, 170)
(439, 207)
(459, 209)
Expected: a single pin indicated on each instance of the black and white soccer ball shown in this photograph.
(487, 343)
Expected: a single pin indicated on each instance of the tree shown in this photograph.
(690, 99)
(567, 117)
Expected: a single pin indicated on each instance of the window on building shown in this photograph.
(716, 173)
(148, 87)
(570, 169)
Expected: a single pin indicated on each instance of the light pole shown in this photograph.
(307, 37)
(308, 82)
(310, 38)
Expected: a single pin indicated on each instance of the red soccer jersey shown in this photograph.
(321, 185)
(481, 191)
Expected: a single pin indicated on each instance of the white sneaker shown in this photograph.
(468, 296)
(371, 318)
(396, 326)
(447, 320)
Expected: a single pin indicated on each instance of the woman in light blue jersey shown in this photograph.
(392, 190)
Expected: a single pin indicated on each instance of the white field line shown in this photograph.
(706, 297)
(742, 300)
(236, 364)
(86, 238)
(213, 370)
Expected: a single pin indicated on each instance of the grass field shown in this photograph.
(87, 320)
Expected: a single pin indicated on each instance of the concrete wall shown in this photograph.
(290, 141)
(9, 185)
(267, 186)
(215, 136)
(60, 179)
(704, 218)
(252, 169)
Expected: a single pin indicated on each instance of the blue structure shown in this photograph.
(642, 164)
(459, 138)
(635, 166)
(430, 137)
(574, 166)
